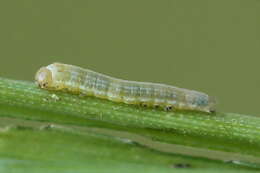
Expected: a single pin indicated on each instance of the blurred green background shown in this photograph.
(206, 45)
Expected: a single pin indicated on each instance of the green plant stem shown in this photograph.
(19, 98)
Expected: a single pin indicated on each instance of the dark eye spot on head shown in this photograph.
(182, 165)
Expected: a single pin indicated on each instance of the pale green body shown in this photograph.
(78, 80)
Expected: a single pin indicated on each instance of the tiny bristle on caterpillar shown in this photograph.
(75, 79)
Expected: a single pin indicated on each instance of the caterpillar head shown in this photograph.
(44, 77)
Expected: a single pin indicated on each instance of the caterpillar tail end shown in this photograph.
(212, 104)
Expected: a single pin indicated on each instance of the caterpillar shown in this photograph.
(64, 77)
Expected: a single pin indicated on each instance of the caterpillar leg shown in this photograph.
(156, 106)
(143, 104)
(168, 108)
(212, 111)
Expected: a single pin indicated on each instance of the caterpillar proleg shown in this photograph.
(75, 79)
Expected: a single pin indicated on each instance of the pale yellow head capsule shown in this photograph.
(44, 78)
